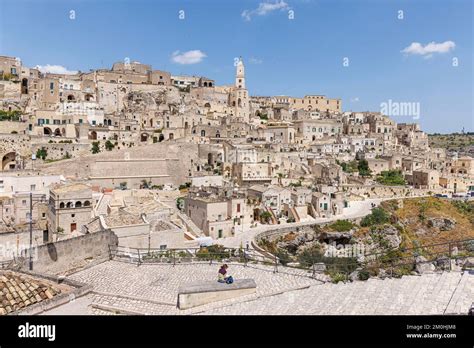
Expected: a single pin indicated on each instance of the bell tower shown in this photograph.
(240, 74)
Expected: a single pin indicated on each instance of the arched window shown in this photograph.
(87, 204)
(68, 205)
(203, 133)
(78, 204)
(61, 205)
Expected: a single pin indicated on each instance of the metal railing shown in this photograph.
(442, 253)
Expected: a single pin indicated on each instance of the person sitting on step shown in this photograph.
(221, 275)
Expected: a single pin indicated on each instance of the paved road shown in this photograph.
(357, 209)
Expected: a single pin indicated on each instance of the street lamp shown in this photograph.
(41, 200)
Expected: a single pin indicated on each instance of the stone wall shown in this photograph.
(379, 191)
(15, 143)
(7, 127)
(172, 161)
(57, 151)
(13, 244)
(65, 255)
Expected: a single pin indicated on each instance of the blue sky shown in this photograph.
(283, 56)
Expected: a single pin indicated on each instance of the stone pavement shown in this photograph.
(410, 295)
(123, 288)
(153, 289)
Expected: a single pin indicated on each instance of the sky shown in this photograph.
(365, 52)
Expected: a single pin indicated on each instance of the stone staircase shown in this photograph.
(189, 224)
(101, 208)
(295, 215)
(427, 294)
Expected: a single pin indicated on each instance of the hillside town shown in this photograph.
(143, 159)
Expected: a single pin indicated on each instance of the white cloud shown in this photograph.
(254, 60)
(55, 69)
(355, 99)
(265, 8)
(189, 57)
(429, 49)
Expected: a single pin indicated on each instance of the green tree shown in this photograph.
(378, 216)
(41, 153)
(391, 177)
(109, 145)
(95, 147)
(265, 216)
(310, 256)
(363, 168)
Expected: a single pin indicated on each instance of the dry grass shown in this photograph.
(415, 213)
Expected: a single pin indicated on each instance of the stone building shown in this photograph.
(70, 207)
(217, 217)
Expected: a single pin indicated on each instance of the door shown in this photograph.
(73, 227)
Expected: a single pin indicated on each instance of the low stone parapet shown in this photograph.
(197, 294)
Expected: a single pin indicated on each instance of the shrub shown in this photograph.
(283, 256)
(363, 168)
(109, 145)
(364, 274)
(41, 153)
(265, 216)
(95, 147)
(391, 177)
(376, 217)
(213, 252)
(337, 277)
(341, 226)
(310, 256)
(185, 186)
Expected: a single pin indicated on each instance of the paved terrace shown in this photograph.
(123, 288)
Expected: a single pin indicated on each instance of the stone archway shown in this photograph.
(47, 131)
(93, 135)
(9, 161)
(57, 132)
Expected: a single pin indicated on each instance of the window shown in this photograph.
(51, 85)
(32, 187)
(23, 202)
(73, 215)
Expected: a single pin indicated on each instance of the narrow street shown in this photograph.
(357, 209)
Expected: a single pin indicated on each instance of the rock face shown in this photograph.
(337, 237)
(388, 233)
(444, 224)
(292, 246)
(443, 262)
(422, 266)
